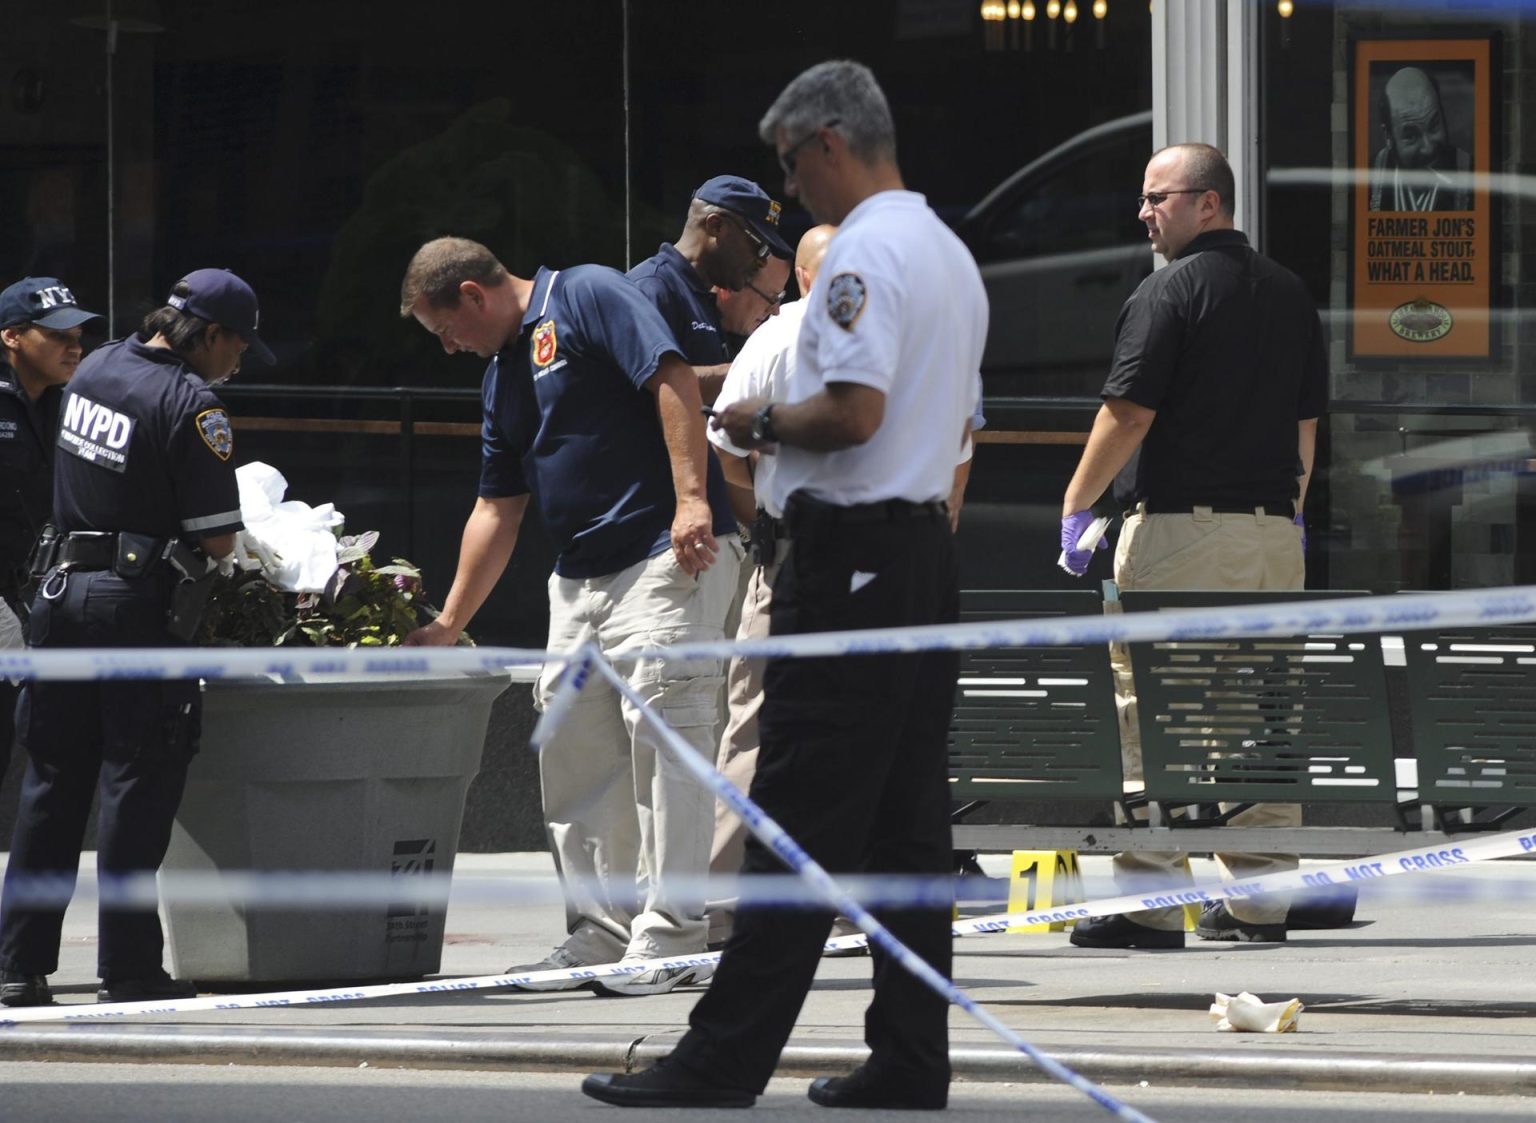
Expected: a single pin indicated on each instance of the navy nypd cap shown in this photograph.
(44, 301)
(745, 198)
(220, 297)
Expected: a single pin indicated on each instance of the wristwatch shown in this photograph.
(762, 425)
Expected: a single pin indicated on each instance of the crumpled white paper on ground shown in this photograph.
(1250, 1013)
(294, 543)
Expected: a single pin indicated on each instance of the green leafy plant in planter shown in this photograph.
(362, 605)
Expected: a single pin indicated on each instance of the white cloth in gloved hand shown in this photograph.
(1250, 1013)
(252, 553)
(301, 538)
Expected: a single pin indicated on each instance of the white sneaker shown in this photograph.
(558, 960)
(656, 980)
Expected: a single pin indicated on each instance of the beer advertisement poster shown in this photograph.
(1423, 269)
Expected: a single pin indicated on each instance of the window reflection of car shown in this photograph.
(1060, 248)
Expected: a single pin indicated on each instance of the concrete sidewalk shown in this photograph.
(1418, 995)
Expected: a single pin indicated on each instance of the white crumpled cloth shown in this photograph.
(292, 542)
(1250, 1013)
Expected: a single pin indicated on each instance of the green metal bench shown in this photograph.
(1237, 721)
(1473, 710)
(1034, 722)
(1293, 719)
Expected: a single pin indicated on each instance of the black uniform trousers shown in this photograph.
(129, 739)
(853, 766)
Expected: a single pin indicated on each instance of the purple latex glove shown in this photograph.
(1073, 560)
(1302, 523)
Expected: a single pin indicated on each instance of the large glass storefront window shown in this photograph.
(1392, 140)
(312, 148)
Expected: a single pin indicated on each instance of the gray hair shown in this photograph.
(840, 90)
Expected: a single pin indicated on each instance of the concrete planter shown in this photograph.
(361, 775)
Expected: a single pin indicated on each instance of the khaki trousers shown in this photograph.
(626, 821)
(737, 758)
(1202, 550)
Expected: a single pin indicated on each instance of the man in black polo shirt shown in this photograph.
(40, 326)
(1218, 379)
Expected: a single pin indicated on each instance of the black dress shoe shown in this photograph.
(1122, 932)
(17, 989)
(663, 1085)
(149, 989)
(1217, 923)
(863, 1088)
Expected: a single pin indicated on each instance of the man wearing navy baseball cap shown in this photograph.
(40, 328)
(731, 230)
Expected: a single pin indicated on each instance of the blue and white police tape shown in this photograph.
(349, 890)
(1387, 613)
(569, 683)
(356, 890)
(774, 837)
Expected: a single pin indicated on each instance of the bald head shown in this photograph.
(808, 254)
(1413, 120)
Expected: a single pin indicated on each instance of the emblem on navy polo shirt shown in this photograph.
(544, 343)
(846, 297)
(213, 427)
(95, 433)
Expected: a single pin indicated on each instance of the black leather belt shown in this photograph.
(1283, 510)
(803, 509)
(130, 555)
(87, 550)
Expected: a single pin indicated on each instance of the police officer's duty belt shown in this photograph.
(131, 555)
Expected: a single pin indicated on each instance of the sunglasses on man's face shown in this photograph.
(791, 155)
(1158, 198)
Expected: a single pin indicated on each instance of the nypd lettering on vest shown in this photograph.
(95, 433)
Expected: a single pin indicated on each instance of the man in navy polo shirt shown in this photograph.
(731, 231)
(40, 327)
(590, 409)
(142, 474)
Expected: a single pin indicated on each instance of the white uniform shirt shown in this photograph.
(762, 371)
(898, 306)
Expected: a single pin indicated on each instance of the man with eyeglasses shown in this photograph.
(748, 308)
(729, 236)
(853, 761)
(1207, 431)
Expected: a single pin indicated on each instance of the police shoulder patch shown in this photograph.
(846, 296)
(213, 427)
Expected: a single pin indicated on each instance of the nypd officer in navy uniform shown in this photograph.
(144, 495)
(40, 328)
